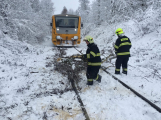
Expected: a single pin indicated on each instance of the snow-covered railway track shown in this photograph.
(135, 92)
(83, 104)
(80, 100)
(107, 100)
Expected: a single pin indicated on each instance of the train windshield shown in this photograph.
(66, 22)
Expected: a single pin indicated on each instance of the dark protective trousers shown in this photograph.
(92, 73)
(121, 60)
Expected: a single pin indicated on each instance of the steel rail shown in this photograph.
(80, 100)
(136, 93)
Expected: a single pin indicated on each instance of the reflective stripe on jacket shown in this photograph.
(93, 55)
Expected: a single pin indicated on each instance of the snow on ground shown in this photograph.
(30, 88)
(144, 71)
(109, 100)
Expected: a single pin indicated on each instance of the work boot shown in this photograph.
(124, 72)
(89, 82)
(117, 72)
(99, 78)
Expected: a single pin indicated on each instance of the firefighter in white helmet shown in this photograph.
(94, 61)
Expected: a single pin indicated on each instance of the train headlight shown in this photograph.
(57, 29)
(75, 29)
(58, 37)
(75, 37)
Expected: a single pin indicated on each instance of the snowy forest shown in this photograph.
(26, 20)
(29, 20)
(35, 86)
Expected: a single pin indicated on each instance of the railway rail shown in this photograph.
(136, 93)
(125, 85)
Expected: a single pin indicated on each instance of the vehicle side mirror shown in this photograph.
(81, 24)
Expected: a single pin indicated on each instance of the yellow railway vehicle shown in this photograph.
(66, 30)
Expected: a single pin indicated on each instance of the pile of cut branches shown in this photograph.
(69, 66)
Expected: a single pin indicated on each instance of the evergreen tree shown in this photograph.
(93, 13)
(64, 11)
(84, 10)
(71, 11)
(35, 5)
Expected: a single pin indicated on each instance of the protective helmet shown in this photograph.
(89, 39)
(119, 31)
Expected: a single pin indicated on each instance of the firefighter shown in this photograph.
(122, 50)
(94, 61)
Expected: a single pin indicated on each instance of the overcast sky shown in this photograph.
(69, 4)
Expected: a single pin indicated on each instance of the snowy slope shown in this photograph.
(144, 64)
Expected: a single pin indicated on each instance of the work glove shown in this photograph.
(77, 56)
(84, 58)
(80, 56)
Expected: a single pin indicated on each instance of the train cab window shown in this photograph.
(67, 22)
